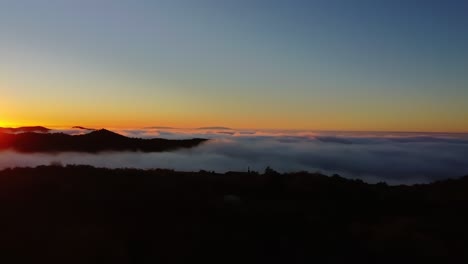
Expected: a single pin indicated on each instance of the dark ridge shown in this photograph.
(81, 214)
(84, 128)
(40, 129)
(96, 141)
(104, 133)
(226, 133)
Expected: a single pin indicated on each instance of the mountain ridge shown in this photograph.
(24, 129)
(95, 141)
(84, 128)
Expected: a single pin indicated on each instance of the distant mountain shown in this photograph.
(96, 141)
(215, 127)
(226, 133)
(39, 129)
(84, 128)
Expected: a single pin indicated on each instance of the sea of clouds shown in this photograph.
(396, 158)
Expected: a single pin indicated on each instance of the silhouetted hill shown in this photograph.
(96, 141)
(84, 128)
(104, 133)
(24, 129)
(80, 214)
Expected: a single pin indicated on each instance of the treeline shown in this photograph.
(81, 214)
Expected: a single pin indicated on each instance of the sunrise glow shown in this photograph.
(373, 67)
(233, 131)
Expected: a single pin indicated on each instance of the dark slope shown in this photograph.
(84, 128)
(96, 141)
(79, 214)
(39, 129)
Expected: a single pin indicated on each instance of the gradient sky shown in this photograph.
(325, 64)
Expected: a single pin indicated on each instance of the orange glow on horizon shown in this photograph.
(124, 119)
(257, 124)
(4, 123)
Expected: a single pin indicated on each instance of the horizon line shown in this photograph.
(237, 128)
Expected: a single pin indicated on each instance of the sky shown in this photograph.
(323, 65)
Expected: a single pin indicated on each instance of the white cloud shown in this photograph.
(391, 157)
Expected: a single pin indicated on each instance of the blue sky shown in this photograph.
(350, 65)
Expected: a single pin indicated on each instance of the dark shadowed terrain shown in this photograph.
(81, 214)
(96, 141)
(39, 129)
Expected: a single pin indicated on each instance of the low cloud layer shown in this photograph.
(392, 157)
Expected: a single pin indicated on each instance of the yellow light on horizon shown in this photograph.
(3, 124)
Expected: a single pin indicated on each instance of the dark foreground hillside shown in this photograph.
(79, 214)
